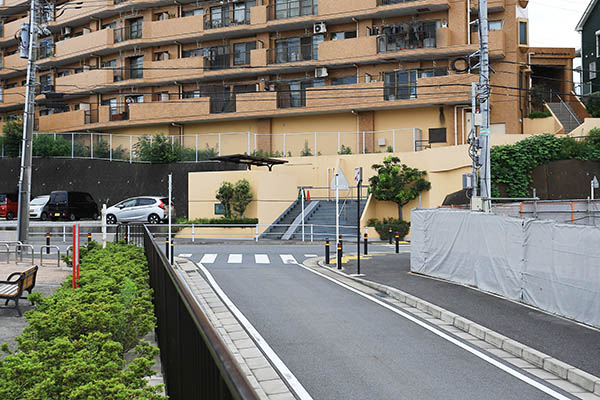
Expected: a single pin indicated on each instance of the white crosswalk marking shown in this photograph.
(310, 255)
(186, 255)
(208, 259)
(288, 259)
(262, 259)
(235, 259)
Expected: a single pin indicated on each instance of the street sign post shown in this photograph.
(339, 183)
(358, 178)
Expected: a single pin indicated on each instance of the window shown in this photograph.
(45, 80)
(437, 135)
(294, 8)
(192, 94)
(161, 56)
(63, 73)
(190, 13)
(495, 25)
(597, 44)
(297, 49)
(10, 85)
(400, 84)
(347, 80)
(112, 25)
(343, 35)
(145, 202)
(523, 33)
(192, 53)
(218, 57)
(219, 17)
(135, 28)
(136, 65)
(241, 52)
(593, 70)
(241, 12)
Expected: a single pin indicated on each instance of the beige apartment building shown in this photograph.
(277, 75)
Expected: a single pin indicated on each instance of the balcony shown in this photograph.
(293, 53)
(10, 29)
(61, 121)
(398, 38)
(332, 50)
(293, 9)
(84, 81)
(127, 33)
(127, 73)
(179, 109)
(184, 68)
(231, 17)
(493, 6)
(256, 102)
(84, 44)
(14, 62)
(332, 7)
(174, 28)
(497, 42)
(13, 96)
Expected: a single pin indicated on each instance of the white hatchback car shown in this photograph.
(37, 205)
(151, 209)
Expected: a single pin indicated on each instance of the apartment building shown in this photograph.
(390, 69)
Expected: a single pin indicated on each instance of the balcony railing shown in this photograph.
(123, 74)
(419, 39)
(230, 18)
(130, 32)
(293, 8)
(304, 52)
(217, 62)
(390, 2)
(46, 50)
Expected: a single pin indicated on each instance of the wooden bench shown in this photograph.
(12, 289)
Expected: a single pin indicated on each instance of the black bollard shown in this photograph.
(397, 243)
(167, 247)
(366, 243)
(48, 243)
(326, 251)
(339, 256)
(89, 237)
(172, 251)
(340, 241)
(390, 235)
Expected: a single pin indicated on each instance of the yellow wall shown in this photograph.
(585, 128)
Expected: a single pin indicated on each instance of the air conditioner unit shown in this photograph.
(320, 28)
(65, 31)
(321, 72)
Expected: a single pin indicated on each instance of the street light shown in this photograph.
(594, 185)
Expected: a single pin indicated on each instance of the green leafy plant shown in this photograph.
(512, 164)
(305, 152)
(390, 149)
(218, 221)
(102, 150)
(539, 114)
(383, 227)
(13, 136)
(188, 154)
(345, 150)
(242, 196)
(592, 103)
(397, 182)
(156, 149)
(225, 196)
(75, 342)
(267, 154)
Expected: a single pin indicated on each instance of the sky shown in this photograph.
(552, 22)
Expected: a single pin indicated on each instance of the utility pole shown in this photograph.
(31, 32)
(484, 103)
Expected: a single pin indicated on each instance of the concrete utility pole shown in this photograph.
(484, 103)
(31, 32)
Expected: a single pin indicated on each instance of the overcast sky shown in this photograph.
(553, 22)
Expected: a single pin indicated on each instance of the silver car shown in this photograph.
(151, 209)
(36, 206)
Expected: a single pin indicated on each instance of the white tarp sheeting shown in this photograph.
(555, 267)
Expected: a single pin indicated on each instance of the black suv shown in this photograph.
(71, 206)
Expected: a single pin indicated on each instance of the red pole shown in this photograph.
(78, 255)
(73, 255)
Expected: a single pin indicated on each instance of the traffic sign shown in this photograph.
(358, 178)
(339, 181)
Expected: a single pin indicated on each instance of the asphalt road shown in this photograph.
(340, 345)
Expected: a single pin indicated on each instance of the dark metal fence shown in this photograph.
(195, 360)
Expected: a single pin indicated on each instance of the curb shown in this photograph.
(556, 367)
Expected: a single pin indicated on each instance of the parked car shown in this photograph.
(36, 207)
(71, 206)
(151, 209)
(9, 205)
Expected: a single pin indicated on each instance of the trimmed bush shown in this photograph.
(217, 221)
(75, 343)
(539, 114)
(383, 227)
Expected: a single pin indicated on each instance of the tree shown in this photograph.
(242, 196)
(225, 196)
(397, 182)
(157, 149)
(13, 136)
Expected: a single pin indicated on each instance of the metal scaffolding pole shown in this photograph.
(28, 121)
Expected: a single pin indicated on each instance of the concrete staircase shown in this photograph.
(281, 224)
(565, 115)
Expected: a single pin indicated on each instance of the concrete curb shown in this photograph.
(556, 367)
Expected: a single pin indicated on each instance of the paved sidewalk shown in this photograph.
(49, 278)
(562, 339)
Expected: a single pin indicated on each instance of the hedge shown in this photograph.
(218, 221)
(76, 340)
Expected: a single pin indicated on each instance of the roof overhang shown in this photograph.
(250, 160)
(586, 15)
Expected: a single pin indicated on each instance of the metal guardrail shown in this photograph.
(7, 252)
(196, 361)
(19, 252)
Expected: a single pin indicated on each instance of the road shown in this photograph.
(341, 345)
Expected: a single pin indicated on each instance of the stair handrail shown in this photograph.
(569, 110)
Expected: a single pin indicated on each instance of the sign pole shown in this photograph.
(337, 206)
(302, 190)
(358, 172)
(169, 247)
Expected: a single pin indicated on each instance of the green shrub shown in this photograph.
(390, 149)
(305, 152)
(383, 227)
(102, 150)
(13, 136)
(345, 150)
(539, 114)
(75, 343)
(156, 149)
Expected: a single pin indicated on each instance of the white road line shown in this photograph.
(310, 255)
(285, 373)
(186, 255)
(208, 258)
(234, 259)
(262, 259)
(444, 335)
(288, 259)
